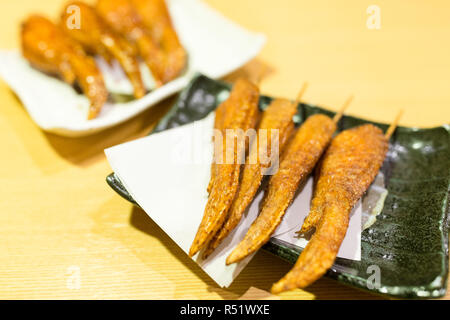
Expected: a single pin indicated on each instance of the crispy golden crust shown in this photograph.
(97, 38)
(53, 55)
(91, 82)
(244, 101)
(223, 115)
(317, 202)
(277, 116)
(297, 162)
(348, 168)
(156, 18)
(123, 18)
(47, 48)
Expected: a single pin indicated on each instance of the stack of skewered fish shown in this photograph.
(128, 31)
(345, 166)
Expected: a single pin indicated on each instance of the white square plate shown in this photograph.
(215, 45)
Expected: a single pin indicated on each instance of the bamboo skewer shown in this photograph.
(260, 77)
(393, 125)
(300, 93)
(340, 113)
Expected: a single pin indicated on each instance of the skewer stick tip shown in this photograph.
(344, 107)
(260, 76)
(394, 124)
(301, 92)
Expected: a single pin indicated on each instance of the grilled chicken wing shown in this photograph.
(123, 18)
(297, 162)
(243, 103)
(277, 116)
(349, 166)
(46, 47)
(156, 18)
(97, 38)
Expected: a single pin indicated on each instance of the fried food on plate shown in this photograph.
(47, 48)
(96, 38)
(297, 162)
(319, 197)
(243, 106)
(316, 207)
(348, 168)
(123, 18)
(224, 113)
(279, 116)
(155, 16)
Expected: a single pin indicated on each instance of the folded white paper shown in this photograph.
(167, 173)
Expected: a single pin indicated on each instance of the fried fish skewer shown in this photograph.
(156, 18)
(317, 202)
(349, 166)
(123, 18)
(96, 38)
(224, 114)
(297, 162)
(278, 116)
(49, 49)
(244, 99)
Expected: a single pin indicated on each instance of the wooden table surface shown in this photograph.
(65, 234)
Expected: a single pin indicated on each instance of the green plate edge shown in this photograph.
(409, 240)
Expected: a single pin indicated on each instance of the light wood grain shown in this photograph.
(58, 215)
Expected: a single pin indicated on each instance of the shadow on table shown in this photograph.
(141, 221)
(255, 280)
(82, 151)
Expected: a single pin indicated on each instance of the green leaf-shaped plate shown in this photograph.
(409, 240)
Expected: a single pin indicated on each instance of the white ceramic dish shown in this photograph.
(216, 47)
